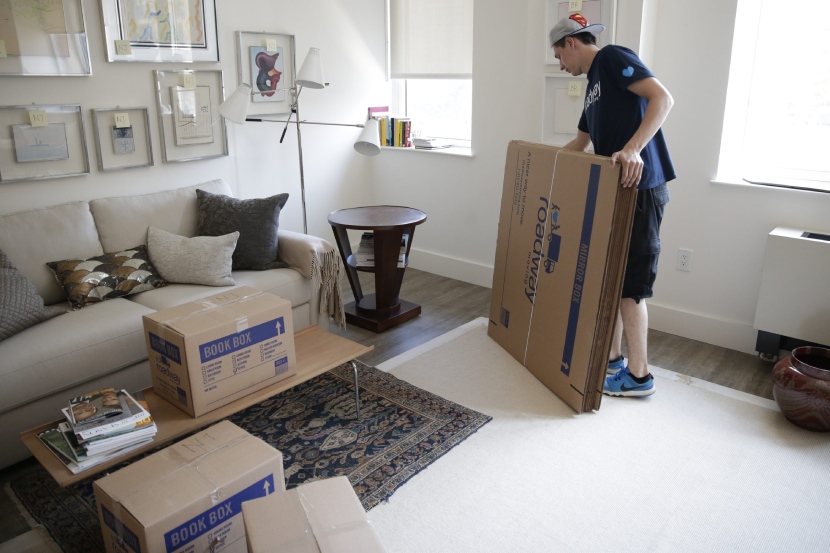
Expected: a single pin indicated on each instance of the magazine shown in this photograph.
(134, 415)
(95, 406)
(49, 438)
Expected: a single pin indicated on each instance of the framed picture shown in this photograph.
(595, 11)
(189, 121)
(44, 38)
(266, 62)
(563, 103)
(44, 142)
(122, 138)
(160, 30)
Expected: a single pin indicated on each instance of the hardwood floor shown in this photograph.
(447, 304)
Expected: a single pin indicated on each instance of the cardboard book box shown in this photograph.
(188, 497)
(563, 237)
(207, 353)
(324, 516)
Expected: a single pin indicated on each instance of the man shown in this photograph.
(624, 109)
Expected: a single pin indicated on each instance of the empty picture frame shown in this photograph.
(266, 62)
(122, 138)
(595, 11)
(43, 38)
(160, 30)
(45, 142)
(563, 103)
(188, 110)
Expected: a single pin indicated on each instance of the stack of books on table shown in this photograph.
(100, 426)
(365, 256)
(429, 143)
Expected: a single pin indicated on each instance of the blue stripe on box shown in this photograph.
(242, 340)
(581, 267)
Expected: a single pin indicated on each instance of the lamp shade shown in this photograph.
(368, 143)
(311, 72)
(235, 108)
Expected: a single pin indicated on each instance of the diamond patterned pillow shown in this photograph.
(20, 304)
(108, 276)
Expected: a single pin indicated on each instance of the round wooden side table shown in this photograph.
(389, 224)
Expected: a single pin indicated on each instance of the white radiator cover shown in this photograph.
(794, 300)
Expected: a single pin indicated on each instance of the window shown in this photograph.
(777, 120)
(431, 58)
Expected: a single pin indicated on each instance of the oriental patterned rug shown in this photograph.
(401, 430)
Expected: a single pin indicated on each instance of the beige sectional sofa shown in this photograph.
(102, 345)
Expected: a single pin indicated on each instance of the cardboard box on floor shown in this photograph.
(207, 353)
(188, 497)
(563, 238)
(324, 516)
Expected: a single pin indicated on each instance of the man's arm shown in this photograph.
(659, 104)
(580, 143)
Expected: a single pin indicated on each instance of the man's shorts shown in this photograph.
(641, 267)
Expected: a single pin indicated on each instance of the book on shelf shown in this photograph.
(381, 113)
(94, 406)
(365, 255)
(429, 143)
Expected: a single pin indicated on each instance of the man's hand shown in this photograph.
(632, 166)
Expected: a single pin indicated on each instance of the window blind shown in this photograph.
(431, 39)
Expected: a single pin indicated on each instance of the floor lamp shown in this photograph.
(235, 109)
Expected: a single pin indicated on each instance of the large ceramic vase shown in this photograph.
(801, 387)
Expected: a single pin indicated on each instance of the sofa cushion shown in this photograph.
(258, 223)
(67, 350)
(33, 238)
(123, 221)
(198, 260)
(106, 277)
(286, 283)
(20, 304)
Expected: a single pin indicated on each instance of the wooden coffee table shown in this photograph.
(318, 351)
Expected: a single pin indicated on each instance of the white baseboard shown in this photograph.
(727, 334)
(459, 269)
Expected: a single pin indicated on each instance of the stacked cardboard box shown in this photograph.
(563, 238)
(207, 353)
(188, 497)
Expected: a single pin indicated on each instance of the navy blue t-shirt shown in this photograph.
(612, 113)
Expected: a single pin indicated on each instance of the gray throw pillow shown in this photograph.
(20, 304)
(257, 220)
(199, 260)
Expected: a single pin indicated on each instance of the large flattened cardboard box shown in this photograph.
(207, 353)
(563, 237)
(324, 516)
(188, 497)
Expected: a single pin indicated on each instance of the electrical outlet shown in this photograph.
(684, 259)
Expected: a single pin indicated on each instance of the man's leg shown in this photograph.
(635, 323)
(616, 339)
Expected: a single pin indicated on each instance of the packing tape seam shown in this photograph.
(175, 456)
(320, 530)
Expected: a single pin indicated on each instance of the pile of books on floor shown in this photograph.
(365, 255)
(429, 143)
(100, 426)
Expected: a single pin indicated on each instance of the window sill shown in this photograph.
(451, 151)
(802, 186)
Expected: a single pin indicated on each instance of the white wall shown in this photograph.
(351, 38)
(725, 225)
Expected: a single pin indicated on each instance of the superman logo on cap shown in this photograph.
(578, 17)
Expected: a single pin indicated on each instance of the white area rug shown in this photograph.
(695, 467)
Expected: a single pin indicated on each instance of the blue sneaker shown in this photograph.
(623, 384)
(616, 365)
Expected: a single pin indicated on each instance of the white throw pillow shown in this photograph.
(200, 260)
